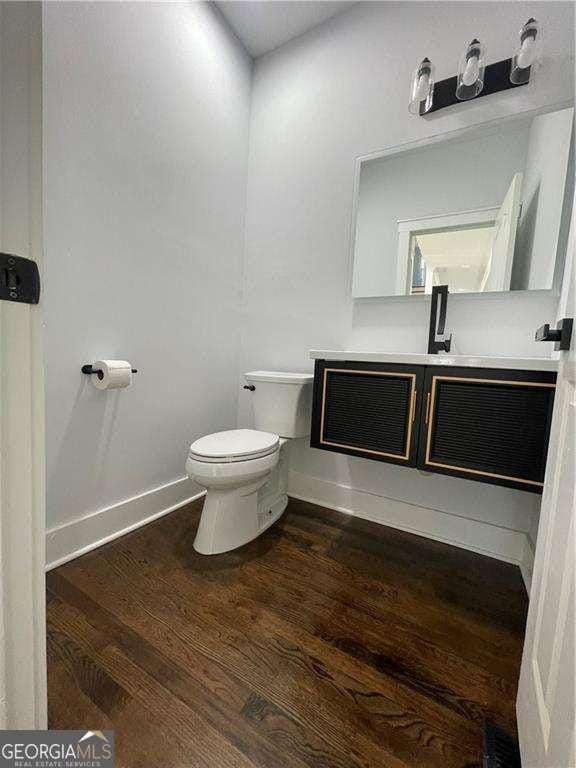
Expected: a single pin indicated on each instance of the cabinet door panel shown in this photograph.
(367, 410)
(488, 425)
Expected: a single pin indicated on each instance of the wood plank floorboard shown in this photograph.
(328, 642)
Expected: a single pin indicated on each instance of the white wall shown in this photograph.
(333, 94)
(445, 178)
(146, 139)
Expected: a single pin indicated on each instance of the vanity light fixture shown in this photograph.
(526, 56)
(471, 72)
(422, 94)
(475, 79)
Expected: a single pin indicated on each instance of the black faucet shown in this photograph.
(438, 321)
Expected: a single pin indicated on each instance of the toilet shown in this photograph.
(245, 471)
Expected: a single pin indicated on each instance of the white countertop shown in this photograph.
(469, 361)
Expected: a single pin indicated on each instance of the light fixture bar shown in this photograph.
(496, 79)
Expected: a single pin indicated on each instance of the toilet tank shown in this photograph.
(282, 402)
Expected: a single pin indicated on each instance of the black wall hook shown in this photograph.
(561, 337)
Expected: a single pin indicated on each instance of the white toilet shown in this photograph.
(245, 471)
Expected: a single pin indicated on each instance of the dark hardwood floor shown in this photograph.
(328, 642)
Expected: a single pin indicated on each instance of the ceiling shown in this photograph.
(263, 25)
(471, 247)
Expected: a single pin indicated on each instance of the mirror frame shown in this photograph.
(469, 131)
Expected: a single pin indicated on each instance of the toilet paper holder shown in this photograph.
(89, 369)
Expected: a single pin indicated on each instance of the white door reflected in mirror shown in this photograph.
(502, 252)
(483, 210)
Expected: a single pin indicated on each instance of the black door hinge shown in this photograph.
(19, 279)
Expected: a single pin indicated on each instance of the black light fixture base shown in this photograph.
(496, 79)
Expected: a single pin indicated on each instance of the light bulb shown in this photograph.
(527, 53)
(422, 91)
(422, 87)
(526, 56)
(471, 72)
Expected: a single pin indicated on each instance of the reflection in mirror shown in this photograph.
(460, 258)
(482, 212)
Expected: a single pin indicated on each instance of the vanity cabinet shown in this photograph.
(368, 409)
(487, 425)
(481, 424)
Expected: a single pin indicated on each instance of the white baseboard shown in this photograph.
(486, 539)
(76, 537)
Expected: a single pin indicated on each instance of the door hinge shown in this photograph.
(19, 279)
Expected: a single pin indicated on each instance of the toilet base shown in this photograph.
(270, 512)
(233, 517)
(230, 520)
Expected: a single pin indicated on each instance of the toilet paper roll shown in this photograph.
(116, 374)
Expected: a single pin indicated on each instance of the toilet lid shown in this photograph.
(234, 445)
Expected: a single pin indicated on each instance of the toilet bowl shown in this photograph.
(233, 466)
(245, 471)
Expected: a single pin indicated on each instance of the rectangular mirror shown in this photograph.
(483, 210)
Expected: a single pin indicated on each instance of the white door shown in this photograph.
(545, 704)
(506, 224)
(22, 621)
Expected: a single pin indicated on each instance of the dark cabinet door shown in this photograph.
(367, 409)
(487, 425)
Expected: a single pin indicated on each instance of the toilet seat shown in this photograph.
(234, 445)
